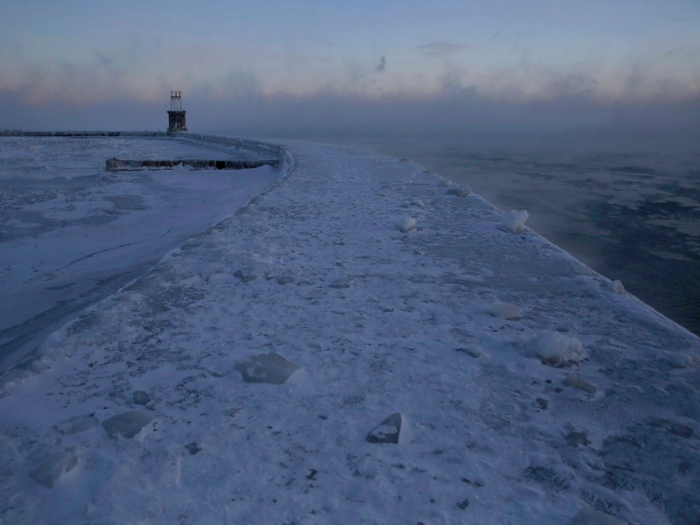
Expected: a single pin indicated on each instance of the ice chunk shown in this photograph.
(74, 425)
(141, 397)
(48, 472)
(474, 351)
(513, 221)
(507, 311)
(580, 384)
(574, 439)
(266, 368)
(413, 202)
(387, 431)
(679, 360)
(582, 270)
(231, 412)
(617, 287)
(193, 448)
(406, 224)
(588, 516)
(127, 424)
(553, 348)
(459, 191)
(343, 282)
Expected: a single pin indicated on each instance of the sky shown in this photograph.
(260, 65)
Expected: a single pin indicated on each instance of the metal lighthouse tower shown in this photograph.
(176, 115)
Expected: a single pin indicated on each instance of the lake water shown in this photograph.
(629, 207)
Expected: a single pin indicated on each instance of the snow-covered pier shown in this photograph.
(362, 343)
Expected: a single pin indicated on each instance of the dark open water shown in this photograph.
(629, 207)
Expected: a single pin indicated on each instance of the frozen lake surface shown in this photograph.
(71, 233)
(362, 343)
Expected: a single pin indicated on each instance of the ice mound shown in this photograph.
(387, 431)
(554, 349)
(459, 191)
(266, 368)
(406, 224)
(588, 516)
(513, 221)
(617, 287)
(77, 424)
(127, 424)
(48, 472)
(507, 311)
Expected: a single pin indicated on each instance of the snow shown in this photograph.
(272, 345)
(53, 265)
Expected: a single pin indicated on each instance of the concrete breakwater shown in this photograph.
(119, 164)
(268, 154)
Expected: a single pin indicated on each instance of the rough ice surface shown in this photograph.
(589, 516)
(128, 424)
(507, 311)
(488, 434)
(513, 221)
(47, 473)
(553, 348)
(266, 368)
(387, 431)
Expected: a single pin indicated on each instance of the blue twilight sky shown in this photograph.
(77, 57)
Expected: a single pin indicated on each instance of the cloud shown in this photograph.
(382, 65)
(442, 48)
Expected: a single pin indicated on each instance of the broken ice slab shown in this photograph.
(77, 424)
(589, 516)
(266, 368)
(50, 470)
(387, 431)
(128, 424)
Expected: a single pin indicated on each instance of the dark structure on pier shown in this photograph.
(176, 116)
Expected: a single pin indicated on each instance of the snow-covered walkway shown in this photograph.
(307, 361)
